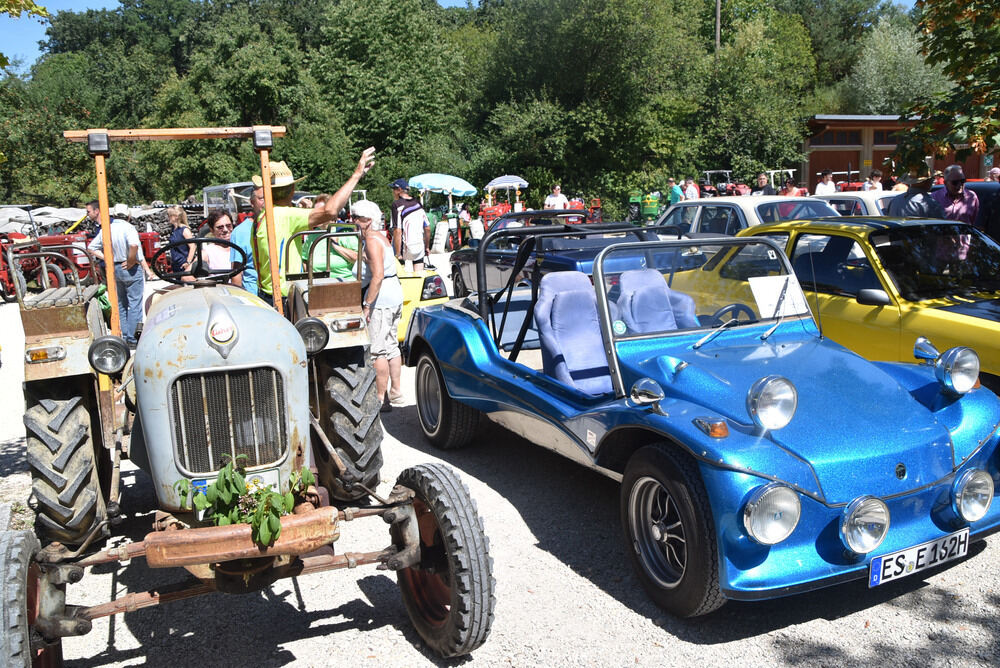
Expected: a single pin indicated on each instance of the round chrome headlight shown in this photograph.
(865, 524)
(957, 369)
(772, 401)
(314, 333)
(772, 513)
(973, 495)
(108, 354)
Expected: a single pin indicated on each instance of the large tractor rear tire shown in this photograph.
(351, 405)
(64, 473)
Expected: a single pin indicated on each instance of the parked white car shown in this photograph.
(861, 202)
(729, 214)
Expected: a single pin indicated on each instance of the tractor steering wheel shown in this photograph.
(199, 269)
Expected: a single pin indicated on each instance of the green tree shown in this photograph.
(959, 38)
(835, 28)
(752, 119)
(891, 72)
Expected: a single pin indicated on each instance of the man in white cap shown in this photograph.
(382, 305)
(993, 174)
(289, 219)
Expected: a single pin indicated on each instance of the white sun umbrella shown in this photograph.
(507, 182)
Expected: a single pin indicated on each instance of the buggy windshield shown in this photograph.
(661, 288)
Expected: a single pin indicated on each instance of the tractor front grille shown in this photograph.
(233, 412)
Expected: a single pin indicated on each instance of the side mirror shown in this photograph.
(872, 297)
(647, 392)
(924, 350)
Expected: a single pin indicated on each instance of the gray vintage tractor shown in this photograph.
(260, 435)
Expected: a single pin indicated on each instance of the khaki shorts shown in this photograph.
(383, 326)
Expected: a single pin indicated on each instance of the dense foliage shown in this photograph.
(601, 95)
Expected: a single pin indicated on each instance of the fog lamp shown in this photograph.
(973, 495)
(865, 524)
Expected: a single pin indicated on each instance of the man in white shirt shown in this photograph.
(826, 186)
(874, 181)
(556, 200)
(129, 277)
(690, 190)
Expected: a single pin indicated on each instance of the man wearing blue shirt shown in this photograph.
(242, 237)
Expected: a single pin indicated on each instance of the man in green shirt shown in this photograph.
(289, 219)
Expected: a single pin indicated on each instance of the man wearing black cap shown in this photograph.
(959, 203)
(401, 200)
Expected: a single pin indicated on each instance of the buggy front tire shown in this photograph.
(669, 532)
(449, 595)
(447, 424)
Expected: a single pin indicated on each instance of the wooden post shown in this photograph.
(109, 253)
(273, 261)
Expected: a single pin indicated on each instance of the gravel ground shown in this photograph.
(565, 594)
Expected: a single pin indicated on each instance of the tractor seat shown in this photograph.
(66, 296)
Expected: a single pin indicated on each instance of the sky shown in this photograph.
(19, 37)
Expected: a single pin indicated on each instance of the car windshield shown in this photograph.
(770, 212)
(660, 288)
(938, 260)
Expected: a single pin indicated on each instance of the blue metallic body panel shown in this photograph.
(855, 424)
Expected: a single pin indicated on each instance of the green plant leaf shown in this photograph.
(240, 483)
(212, 493)
(223, 521)
(264, 534)
(289, 502)
(307, 478)
(201, 502)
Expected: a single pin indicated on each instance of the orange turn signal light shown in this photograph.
(714, 427)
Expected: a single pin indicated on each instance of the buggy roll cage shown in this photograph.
(99, 146)
(487, 301)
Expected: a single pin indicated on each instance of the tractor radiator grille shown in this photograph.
(218, 413)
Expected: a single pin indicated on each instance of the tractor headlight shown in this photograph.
(108, 354)
(772, 401)
(772, 513)
(973, 495)
(957, 369)
(314, 333)
(864, 524)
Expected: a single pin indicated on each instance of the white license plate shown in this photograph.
(918, 558)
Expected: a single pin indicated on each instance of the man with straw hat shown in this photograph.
(916, 202)
(289, 219)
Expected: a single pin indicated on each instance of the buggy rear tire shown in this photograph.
(18, 598)
(447, 424)
(669, 532)
(351, 405)
(64, 476)
(450, 595)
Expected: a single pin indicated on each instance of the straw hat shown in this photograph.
(281, 175)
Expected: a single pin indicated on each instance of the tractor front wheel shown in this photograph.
(449, 595)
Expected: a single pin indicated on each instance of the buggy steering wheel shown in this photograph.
(199, 269)
(735, 310)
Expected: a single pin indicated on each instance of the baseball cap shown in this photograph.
(400, 183)
(364, 208)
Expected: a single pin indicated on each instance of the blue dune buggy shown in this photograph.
(756, 457)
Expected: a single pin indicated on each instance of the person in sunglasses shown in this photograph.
(221, 227)
(959, 203)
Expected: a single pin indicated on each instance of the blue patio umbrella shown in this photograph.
(443, 183)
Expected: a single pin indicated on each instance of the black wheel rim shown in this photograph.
(428, 397)
(658, 532)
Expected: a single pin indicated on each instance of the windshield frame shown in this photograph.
(716, 251)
